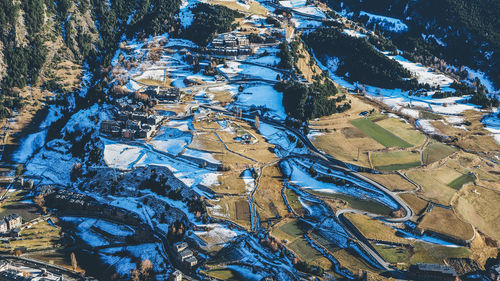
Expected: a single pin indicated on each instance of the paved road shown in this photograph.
(333, 163)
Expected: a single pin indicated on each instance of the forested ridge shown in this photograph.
(38, 33)
(359, 61)
(469, 29)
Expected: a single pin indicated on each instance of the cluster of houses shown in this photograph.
(131, 125)
(185, 255)
(229, 44)
(11, 223)
(163, 94)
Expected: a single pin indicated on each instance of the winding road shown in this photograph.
(332, 163)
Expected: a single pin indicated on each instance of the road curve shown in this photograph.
(336, 164)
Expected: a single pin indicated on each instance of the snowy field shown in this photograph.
(171, 139)
(263, 95)
(234, 68)
(424, 75)
(128, 156)
(310, 10)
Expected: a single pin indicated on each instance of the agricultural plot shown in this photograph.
(416, 204)
(394, 182)
(435, 183)
(479, 206)
(461, 181)
(235, 209)
(445, 221)
(357, 203)
(253, 7)
(268, 200)
(374, 229)
(41, 236)
(436, 151)
(223, 274)
(292, 232)
(420, 252)
(293, 200)
(345, 147)
(380, 134)
(395, 160)
(339, 138)
(402, 130)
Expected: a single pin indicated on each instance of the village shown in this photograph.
(195, 170)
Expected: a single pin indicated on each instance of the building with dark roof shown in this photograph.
(437, 272)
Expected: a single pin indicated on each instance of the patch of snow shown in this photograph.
(354, 33)
(172, 140)
(426, 126)
(266, 96)
(201, 155)
(485, 80)
(29, 146)
(423, 74)
(386, 23)
(310, 10)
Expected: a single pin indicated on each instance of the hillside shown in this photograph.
(459, 31)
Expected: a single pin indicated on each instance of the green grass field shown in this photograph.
(430, 116)
(437, 151)
(402, 130)
(293, 201)
(395, 160)
(461, 181)
(223, 274)
(356, 203)
(393, 254)
(421, 253)
(379, 134)
(397, 167)
(14, 204)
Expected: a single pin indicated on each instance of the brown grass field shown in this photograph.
(292, 231)
(445, 221)
(416, 204)
(374, 229)
(235, 209)
(436, 151)
(478, 205)
(394, 182)
(435, 182)
(255, 7)
(268, 200)
(395, 160)
(476, 139)
(343, 139)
